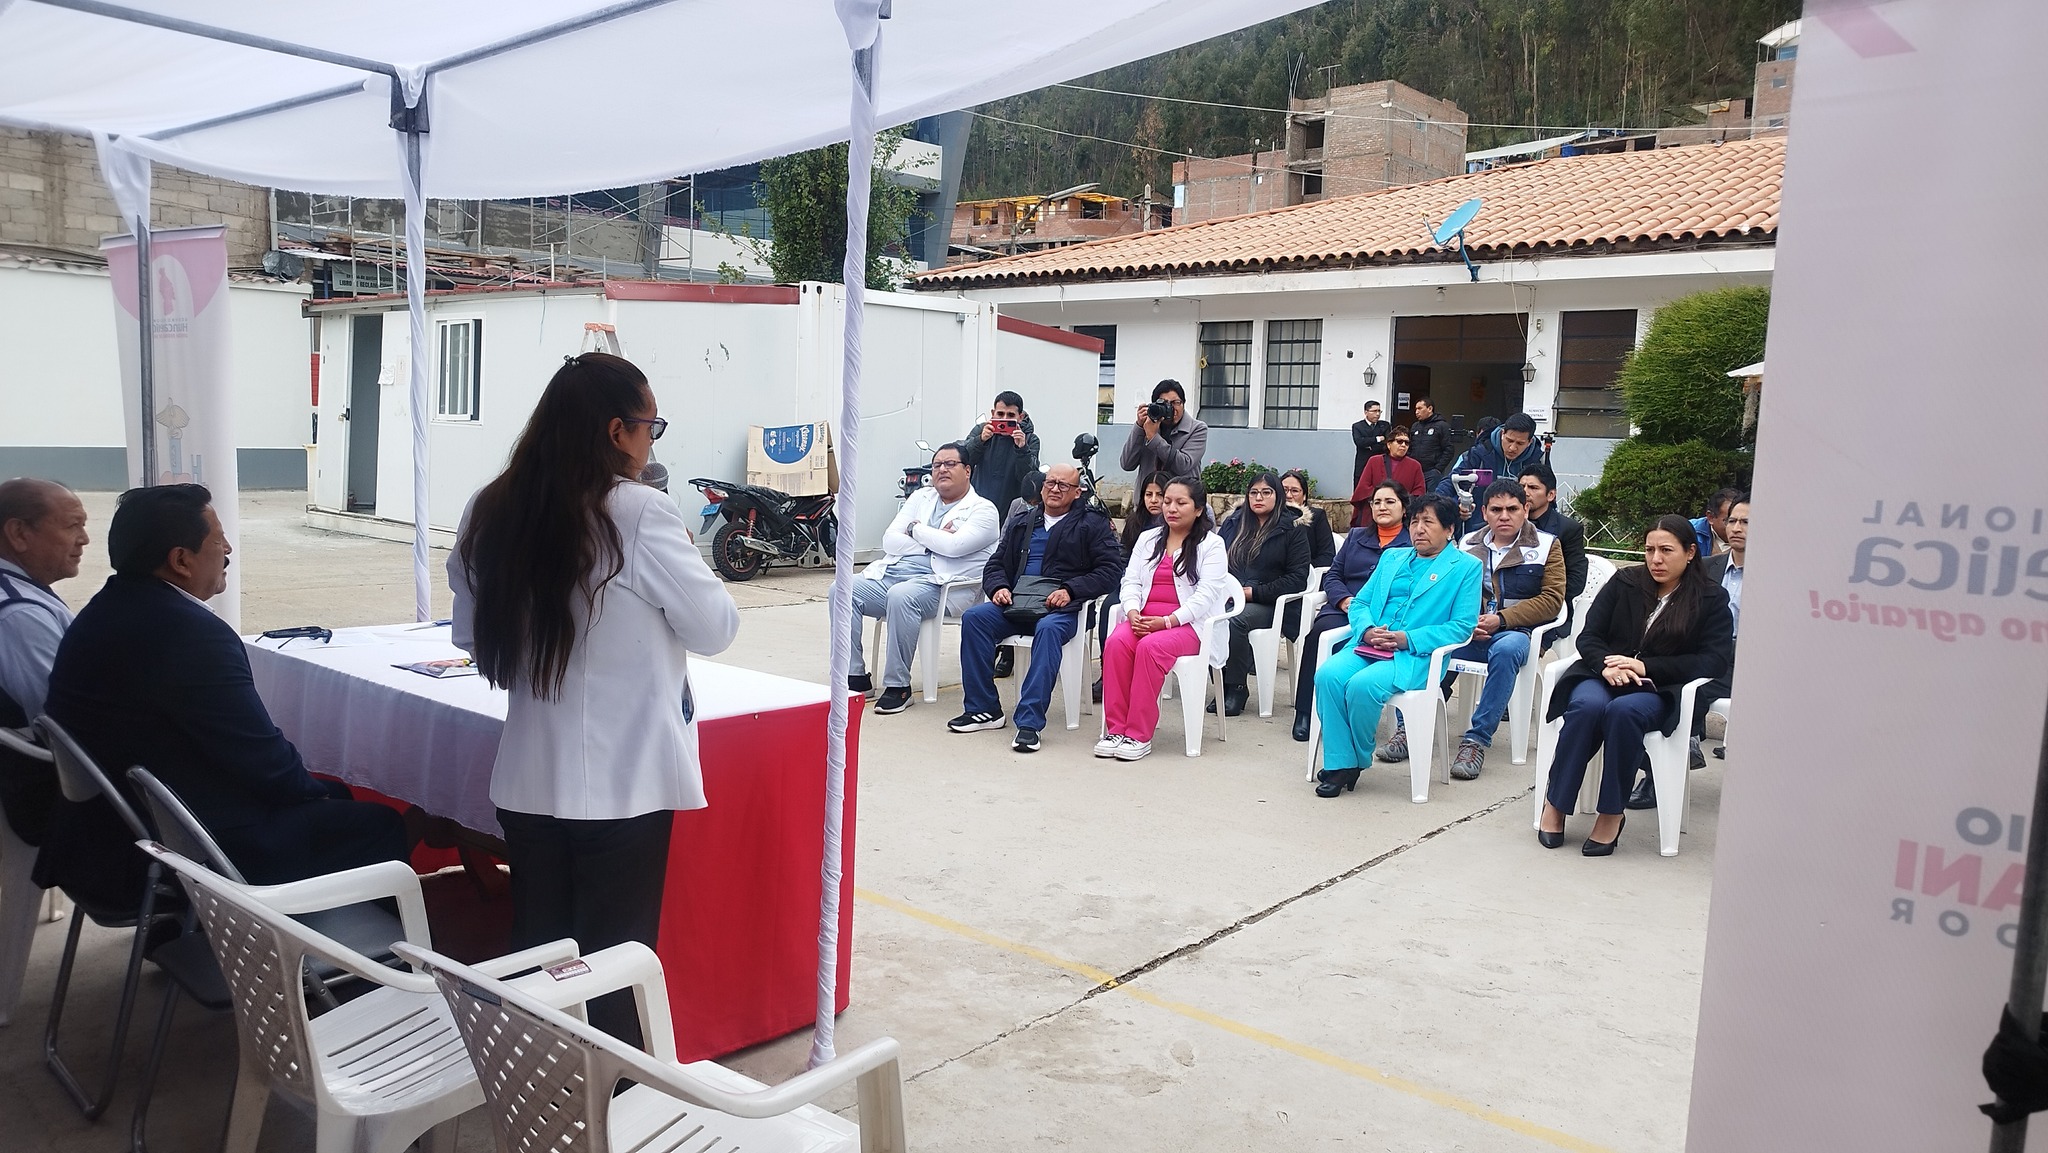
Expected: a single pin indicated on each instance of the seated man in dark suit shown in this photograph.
(147, 675)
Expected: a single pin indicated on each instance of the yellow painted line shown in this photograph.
(1438, 1097)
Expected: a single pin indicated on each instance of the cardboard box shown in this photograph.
(795, 458)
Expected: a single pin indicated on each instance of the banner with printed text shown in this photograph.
(1893, 663)
(192, 415)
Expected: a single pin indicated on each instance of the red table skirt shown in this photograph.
(739, 922)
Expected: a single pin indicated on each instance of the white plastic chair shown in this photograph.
(1421, 710)
(1266, 642)
(1668, 771)
(1200, 679)
(1599, 570)
(378, 1073)
(928, 634)
(1073, 661)
(549, 1078)
(1520, 706)
(20, 900)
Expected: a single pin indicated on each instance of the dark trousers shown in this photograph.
(1308, 652)
(599, 882)
(1596, 717)
(314, 838)
(1239, 668)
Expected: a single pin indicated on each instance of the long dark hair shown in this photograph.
(1676, 621)
(539, 535)
(1253, 529)
(1139, 520)
(1185, 563)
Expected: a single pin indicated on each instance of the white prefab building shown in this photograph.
(721, 359)
(1282, 324)
(61, 414)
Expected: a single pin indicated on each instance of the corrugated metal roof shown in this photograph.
(1672, 197)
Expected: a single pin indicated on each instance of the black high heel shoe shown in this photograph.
(1550, 840)
(1593, 848)
(1330, 782)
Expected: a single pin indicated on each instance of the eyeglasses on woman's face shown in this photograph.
(655, 425)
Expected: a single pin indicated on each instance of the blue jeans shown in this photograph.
(1505, 654)
(1597, 717)
(980, 628)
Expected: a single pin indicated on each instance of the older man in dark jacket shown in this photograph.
(1064, 551)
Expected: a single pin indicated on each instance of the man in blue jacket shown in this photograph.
(1505, 452)
(147, 675)
(1064, 550)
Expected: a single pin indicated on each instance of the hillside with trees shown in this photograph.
(1519, 68)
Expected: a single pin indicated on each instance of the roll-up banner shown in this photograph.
(1893, 660)
(192, 414)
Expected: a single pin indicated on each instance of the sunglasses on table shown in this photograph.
(655, 425)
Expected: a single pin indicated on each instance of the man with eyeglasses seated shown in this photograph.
(42, 537)
(1053, 559)
(944, 532)
(148, 675)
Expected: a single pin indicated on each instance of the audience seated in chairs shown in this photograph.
(147, 675)
(1268, 554)
(1349, 570)
(42, 537)
(1725, 570)
(1052, 561)
(1539, 488)
(1711, 529)
(1418, 600)
(1653, 628)
(1522, 588)
(943, 533)
(1144, 515)
(1178, 577)
(1322, 543)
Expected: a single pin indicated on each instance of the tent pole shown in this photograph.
(860, 159)
(145, 363)
(416, 313)
(2030, 952)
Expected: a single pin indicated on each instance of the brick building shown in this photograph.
(1008, 224)
(1353, 139)
(52, 197)
(1766, 111)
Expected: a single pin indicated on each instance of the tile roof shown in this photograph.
(1623, 201)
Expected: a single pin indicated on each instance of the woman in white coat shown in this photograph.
(580, 592)
(1177, 576)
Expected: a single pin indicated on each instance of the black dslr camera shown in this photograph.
(1159, 411)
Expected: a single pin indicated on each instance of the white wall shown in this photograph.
(60, 380)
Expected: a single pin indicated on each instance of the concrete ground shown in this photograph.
(1172, 954)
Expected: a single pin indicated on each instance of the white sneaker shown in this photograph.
(1132, 750)
(1107, 746)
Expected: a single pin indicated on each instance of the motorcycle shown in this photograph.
(916, 476)
(765, 526)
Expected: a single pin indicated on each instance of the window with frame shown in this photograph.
(1105, 370)
(1294, 372)
(460, 370)
(1226, 363)
(1592, 347)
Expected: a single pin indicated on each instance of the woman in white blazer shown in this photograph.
(580, 592)
(1178, 577)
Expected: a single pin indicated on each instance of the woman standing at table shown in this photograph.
(581, 593)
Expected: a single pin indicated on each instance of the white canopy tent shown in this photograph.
(481, 99)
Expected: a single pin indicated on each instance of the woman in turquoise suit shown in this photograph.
(1418, 600)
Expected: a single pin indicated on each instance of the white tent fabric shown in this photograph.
(519, 98)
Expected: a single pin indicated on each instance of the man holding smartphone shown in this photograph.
(1002, 450)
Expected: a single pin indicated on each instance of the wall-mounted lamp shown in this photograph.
(1372, 377)
(1528, 374)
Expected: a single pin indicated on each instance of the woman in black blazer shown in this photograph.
(1651, 629)
(1268, 559)
(1322, 544)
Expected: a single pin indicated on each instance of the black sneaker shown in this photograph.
(975, 722)
(1026, 742)
(894, 700)
(860, 683)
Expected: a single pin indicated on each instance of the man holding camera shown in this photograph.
(1504, 453)
(1164, 437)
(1002, 451)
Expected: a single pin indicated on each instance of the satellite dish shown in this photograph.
(1453, 228)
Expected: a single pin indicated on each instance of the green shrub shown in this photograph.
(1643, 481)
(1232, 476)
(1676, 386)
